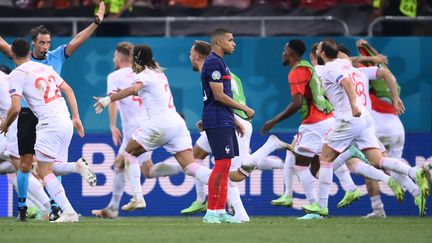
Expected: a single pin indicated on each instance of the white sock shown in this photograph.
(325, 180)
(234, 199)
(269, 146)
(198, 171)
(344, 176)
(134, 175)
(398, 166)
(341, 159)
(118, 188)
(289, 172)
(6, 167)
(200, 188)
(60, 168)
(376, 203)
(57, 192)
(369, 171)
(166, 168)
(36, 188)
(270, 163)
(308, 182)
(406, 183)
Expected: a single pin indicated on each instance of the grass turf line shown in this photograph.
(190, 229)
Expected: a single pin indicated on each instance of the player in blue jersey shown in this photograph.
(218, 120)
(41, 43)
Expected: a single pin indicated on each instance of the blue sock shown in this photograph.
(22, 182)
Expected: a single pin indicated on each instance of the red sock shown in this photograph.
(218, 184)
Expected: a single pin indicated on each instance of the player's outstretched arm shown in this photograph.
(71, 100)
(390, 79)
(5, 47)
(105, 101)
(220, 96)
(292, 108)
(82, 36)
(12, 114)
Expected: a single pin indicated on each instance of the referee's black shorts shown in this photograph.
(26, 134)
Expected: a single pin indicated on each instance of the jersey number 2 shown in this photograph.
(45, 85)
(170, 102)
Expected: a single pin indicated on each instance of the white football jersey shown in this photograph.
(39, 85)
(334, 72)
(155, 94)
(131, 109)
(5, 100)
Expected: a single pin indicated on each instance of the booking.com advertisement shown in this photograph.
(166, 196)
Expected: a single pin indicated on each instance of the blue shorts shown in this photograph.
(223, 142)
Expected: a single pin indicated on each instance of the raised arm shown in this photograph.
(82, 36)
(220, 96)
(71, 100)
(5, 47)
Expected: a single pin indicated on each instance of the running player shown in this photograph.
(165, 126)
(132, 113)
(40, 86)
(353, 124)
(27, 121)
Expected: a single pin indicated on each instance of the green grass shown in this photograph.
(190, 229)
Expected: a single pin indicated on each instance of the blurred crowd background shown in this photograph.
(357, 14)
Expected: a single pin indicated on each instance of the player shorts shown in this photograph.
(243, 144)
(309, 137)
(53, 139)
(393, 145)
(167, 131)
(26, 134)
(128, 130)
(223, 142)
(12, 141)
(387, 125)
(358, 130)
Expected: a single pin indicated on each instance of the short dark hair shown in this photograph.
(219, 32)
(314, 49)
(124, 48)
(143, 56)
(39, 30)
(297, 46)
(343, 49)
(330, 48)
(5, 69)
(203, 48)
(20, 47)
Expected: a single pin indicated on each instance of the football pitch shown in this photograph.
(190, 229)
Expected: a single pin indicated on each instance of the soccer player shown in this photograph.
(27, 121)
(218, 121)
(165, 126)
(40, 86)
(132, 113)
(354, 124)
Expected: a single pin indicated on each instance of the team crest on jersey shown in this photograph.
(216, 75)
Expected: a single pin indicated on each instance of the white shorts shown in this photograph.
(309, 137)
(3, 146)
(243, 144)
(167, 131)
(387, 125)
(359, 131)
(53, 139)
(12, 141)
(128, 130)
(393, 145)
